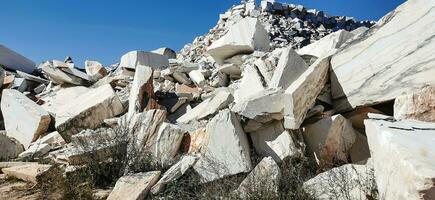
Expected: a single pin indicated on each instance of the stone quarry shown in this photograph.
(271, 86)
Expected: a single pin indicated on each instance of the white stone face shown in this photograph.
(57, 75)
(250, 84)
(207, 107)
(88, 111)
(15, 61)
(329, 139)
(302, 93)
(272, 140)
(24, 119)
(61, 97)
(135, 58)
(419, 105)
(28, 172)
(290, 67)
(197, 77)
(134, 187)
(244, 37)
(394, 57)
(95, 70)
(166, 52)
(142, 78)
(227, 152)
(167, 143)
(327, 45)
(402, 154)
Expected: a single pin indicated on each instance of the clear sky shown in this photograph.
(104, 30)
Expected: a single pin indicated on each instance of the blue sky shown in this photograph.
(104, 30)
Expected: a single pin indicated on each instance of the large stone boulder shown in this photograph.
(166, 52)
(60, 97)
(289, 68)
(88, 111)
(244, 37)
(134, 187)
(24, 120)
(402, 153)
(419, 105)
(227, 151)
(14, 61)
(135, 58)
(141, 89)
(393, 57)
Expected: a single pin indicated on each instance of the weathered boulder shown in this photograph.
(227, 151)
(330, 139)
(134, 187)
(244, 37)
(302, 93)
(14, 61)
(24, 120)
(135, 58)
(402, 154)
(95, 70)
(419, 105)
(272, 140)
(31, 172)
(166, 52)
(10, 148)
(166, 143)
(88, 111)
(327, 45)
(141, 89)
(173, 173)
(289, 68)
(263, 179)
(61, 97)
(398, 63)
(208, 107)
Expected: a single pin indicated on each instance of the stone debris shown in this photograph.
(275, 82)
(134, 187)
(402, 153)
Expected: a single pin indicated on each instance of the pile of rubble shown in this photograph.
(271, 81)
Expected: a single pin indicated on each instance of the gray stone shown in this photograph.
(10, 148)
(135, 58)
(290, 67)
(166, 143)
(251, 83)
(166, 52)
(12, 60)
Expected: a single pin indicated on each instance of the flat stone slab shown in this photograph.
(134, 187)
(13, 60)
(30, 172)
(135, 58)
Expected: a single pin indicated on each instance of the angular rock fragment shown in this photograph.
(244, 37)
(327, 45)
(134, 187)
(12, 60)
(173, 173)
(290, 67)
(95, 70)
(197, 77)
(141, 90)
(88, 112)
(251, 83)
(358, 116)
(31, 172)
(227, 151)
(402, 155)
(135, 58)
(166, 52)
(398, 63)
(35, 151)
(58, 98)
(57, 75)
(208, 107)
(263, 179)
(24, 120)
(167, 142)
(10, 148)
(330, 139)
(302, 93)
(419, 105)
(181, 78)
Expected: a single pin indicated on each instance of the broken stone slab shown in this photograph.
(272, 140)
(134, 187)
(244, 37)
(230, 69)
(358, 116)
(166, 143)
(36, 150)
(30, 77)
(251, 83)
(141, 90)
(403, 66)
(10, 148)
(208, 107)
(327, 45)
(182, 78)
(302, 93)
(77, 73)
(166, 52)
(263, 179)
(360, 152)
(31, 172)
(173, 173)
(329, 139)
(191, 93)
(418, 105)
(196, 141)
(263, 106)
(53, 139)
(402, 153)
(95, 70)
(134, 58)
(88, 111)
(24, 120)
(227, 151)
(197, 77)
(19, 84)
(60, 97)
(60, 77)
(289, 69)
(12, 60)
(346, 182)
